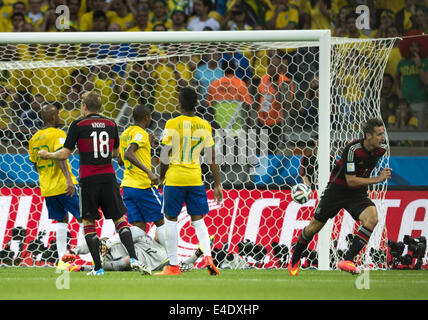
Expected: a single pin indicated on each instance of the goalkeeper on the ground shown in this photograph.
(115, 256)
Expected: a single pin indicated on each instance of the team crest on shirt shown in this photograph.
(350, 167)
(138, 137)
(61, 140)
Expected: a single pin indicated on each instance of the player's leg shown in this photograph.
(303, 241)
(56, 212)
(172, 203)
(328, 206)
(197, 207)
(369, 219)
(89, 203)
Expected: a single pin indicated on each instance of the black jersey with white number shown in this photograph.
(356, 160)
(95, 136)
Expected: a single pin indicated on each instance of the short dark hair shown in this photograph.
(92, 100)
(99, 14)
(188, 98)
(370, 125)
(140, 111)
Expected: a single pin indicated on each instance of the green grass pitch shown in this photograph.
(45, 283)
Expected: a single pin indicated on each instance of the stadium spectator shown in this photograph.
(114, 27)
(405, 19)
(17, 7)
(320, 14)
(179, 20)
(18, 20)
(402, 119)
(97, 179)
(123, 16)
(282, 16)
(243, 68)
(70, 110)
(6, 135)
(159, 27)
(304, 112)
(421, 19)
(167, 76)
(208, 71)
(274, 97)
(395, 54)
(340, 21)
(227, 99)
(141, 21)
(35, 13)
(160, 14)
(57, 182)
(29, 121)
(386, 20)
(99, 21)
(236, 19)
(87, 20)
(75, 17)
(202, 19)
(412, 75)
(388, 99)
(191, 190)
(351, 26)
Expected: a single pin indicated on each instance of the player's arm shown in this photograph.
(70, 185)
(358, 182)
(115, 153)
(61, 154)
(120, 161)
(214, 167)
(131, 157)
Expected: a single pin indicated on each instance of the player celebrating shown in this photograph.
(57, 183)
(139, 194)
(97, 140)
(186, 136)
(347, 189)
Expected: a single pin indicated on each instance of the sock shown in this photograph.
(361, 238)
(171, 241)
(301, 245)
(161, 235)
(126, 238)
(61, 238)
(93, 243)
(203, 236)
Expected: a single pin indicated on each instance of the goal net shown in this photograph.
(279, 118)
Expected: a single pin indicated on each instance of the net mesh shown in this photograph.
(264, 115)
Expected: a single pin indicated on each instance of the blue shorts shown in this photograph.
(143, 204)
(195, 198)
(59, 205)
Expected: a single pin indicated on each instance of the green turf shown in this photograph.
(40, 283)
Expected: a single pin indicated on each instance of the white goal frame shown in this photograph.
(320, 38)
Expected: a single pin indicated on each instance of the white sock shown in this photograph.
(203, 236)
(61, 238)
(171, 241)
(161, 235)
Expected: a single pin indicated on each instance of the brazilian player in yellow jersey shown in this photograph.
(140, 193)
(184, 139)
(57, 182)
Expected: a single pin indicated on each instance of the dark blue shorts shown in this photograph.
(143, 204)
(58, 206)
(195, 198)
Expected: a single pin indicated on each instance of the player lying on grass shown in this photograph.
(115, 257)
(347, 189)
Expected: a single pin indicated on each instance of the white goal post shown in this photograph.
(276, 38)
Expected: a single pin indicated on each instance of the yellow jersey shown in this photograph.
(52, 179)
(134, 177)
(187, 135)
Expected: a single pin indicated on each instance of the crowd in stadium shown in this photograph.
(404, 95)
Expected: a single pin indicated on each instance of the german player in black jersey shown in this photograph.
(347, 189)
(97, 140)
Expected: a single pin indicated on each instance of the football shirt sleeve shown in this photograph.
(348, 160)
(72, 135)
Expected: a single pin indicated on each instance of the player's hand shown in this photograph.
(70, 188)
(385, 174)
(218, 194)
(43, 154)
(154, 179)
